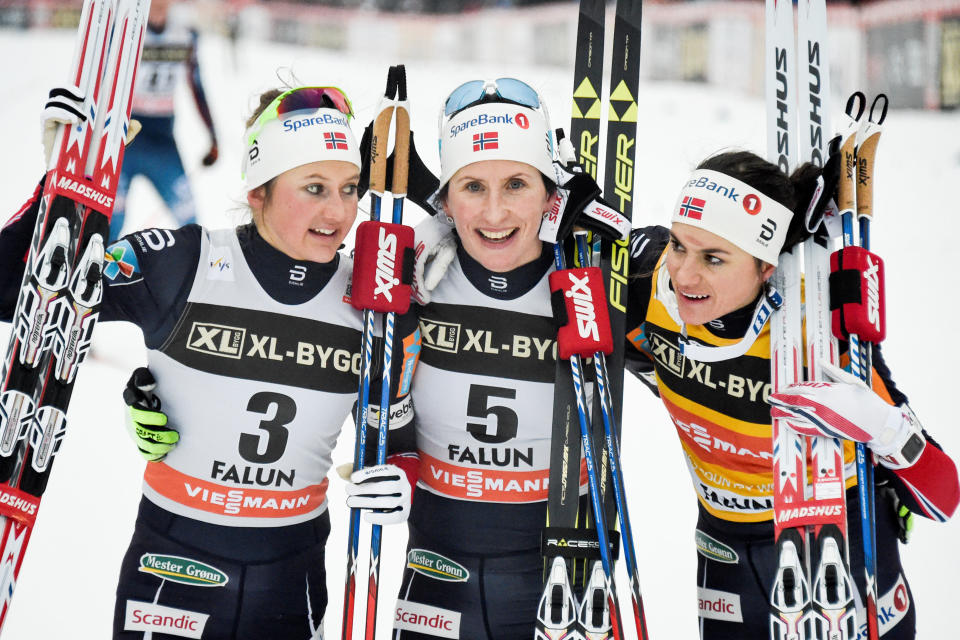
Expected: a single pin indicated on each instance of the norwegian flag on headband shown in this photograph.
(692, 207)
(335, 140)
(484, 141)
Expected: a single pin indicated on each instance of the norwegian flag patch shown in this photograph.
(335, 140)
(485, 141)
(692, 207)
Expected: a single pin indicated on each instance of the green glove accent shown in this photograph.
(906, 524)
(147, 423)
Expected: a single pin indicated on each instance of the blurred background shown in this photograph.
(908, 48)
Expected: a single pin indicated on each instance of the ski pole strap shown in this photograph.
(382, 267)
(584, 324)
(857, 299)
(814, 214)
(768, 303)
(568, 542)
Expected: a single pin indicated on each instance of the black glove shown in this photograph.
(421, 183)
(212, 155)
(579, 203)
(816, 189)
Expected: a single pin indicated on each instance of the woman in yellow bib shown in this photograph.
(703, 284)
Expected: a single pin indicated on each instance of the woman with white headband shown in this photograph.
(704, 281)
(483, 388)
(257, 355)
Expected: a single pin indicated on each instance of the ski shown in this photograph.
(559, 614)
(587, 102)
(614, 258)
(61, 292)
(813, 593)
(600, 616)
(834, 610)
(557, 611)
(790, 600)
(618, 187)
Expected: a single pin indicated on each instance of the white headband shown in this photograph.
(495, 131)
(298, 139)
(735, 211)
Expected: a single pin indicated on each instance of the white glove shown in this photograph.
(436, 247)
(64, 106)
(383, 492)
(848, 409)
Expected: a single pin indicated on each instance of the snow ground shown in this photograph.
(68, 580)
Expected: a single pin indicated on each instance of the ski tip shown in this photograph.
(631, 10)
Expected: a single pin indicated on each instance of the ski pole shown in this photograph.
(398, 189)
(378, 172)
(596, 501)
(613, 455)
(860, 174)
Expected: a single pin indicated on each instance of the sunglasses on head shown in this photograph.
(303, 99)
(499, 90)
(310, 98)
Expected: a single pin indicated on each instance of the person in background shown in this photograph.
(169, 57)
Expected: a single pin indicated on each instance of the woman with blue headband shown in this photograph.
(257, 353)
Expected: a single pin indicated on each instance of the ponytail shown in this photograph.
(265, 99)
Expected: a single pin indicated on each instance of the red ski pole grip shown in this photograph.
(579, 303)
(382, 267)
(857, 299)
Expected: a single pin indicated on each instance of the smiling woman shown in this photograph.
(484, 384)
(307, 211)
(496, 162)
(704, 282)
(252, 404)
(497, 206)
(711, 275)
(301, 207)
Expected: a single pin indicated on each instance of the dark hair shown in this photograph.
(793, 192)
